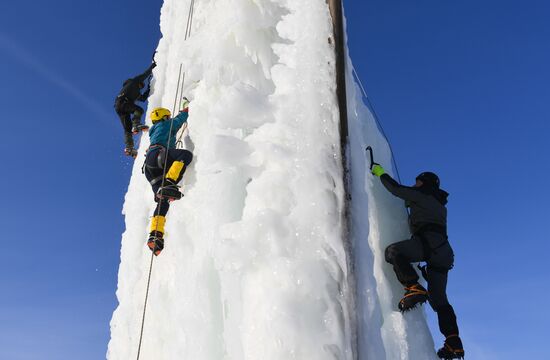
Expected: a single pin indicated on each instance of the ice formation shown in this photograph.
(256, 263)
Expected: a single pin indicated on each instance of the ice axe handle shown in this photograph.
(371, 156)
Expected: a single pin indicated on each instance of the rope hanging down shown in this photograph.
(377, 119)
(187, 34)
(145, 305)
(158, 212)
(179, 142)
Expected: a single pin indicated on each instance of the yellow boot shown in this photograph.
(170, 189)
(156, 240)
(175, 171)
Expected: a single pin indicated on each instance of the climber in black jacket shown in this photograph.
(429, 243)
(128, 111)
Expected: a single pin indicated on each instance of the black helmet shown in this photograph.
(429, 179)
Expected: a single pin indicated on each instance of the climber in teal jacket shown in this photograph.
(160, 131)
(164, 168)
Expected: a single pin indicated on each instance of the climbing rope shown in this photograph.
(179, 142)
(187, 33)
(376, 118)
(158, 212)
(177, 89)
(145, 305)
(190, 19)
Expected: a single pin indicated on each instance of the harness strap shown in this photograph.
(153, 147)
(156, 180)
(161, 154)
(161, 157)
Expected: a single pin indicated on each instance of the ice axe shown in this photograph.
(371, 156)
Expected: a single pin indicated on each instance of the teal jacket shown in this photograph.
(160, 132)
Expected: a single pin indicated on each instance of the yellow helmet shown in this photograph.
(159, 113)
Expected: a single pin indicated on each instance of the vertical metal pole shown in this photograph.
(335, 7)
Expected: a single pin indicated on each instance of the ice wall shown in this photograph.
(254, 264)
(377, 220)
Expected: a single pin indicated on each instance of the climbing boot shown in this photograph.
(130, 152)
(156, 242)
(136, 129)
(452, 348)
(170, 190)
(414, 294)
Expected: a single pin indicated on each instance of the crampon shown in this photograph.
(452, 349)
(138, 128)
(169, 191)
(414, 295)
(156, 242)
(130, 152)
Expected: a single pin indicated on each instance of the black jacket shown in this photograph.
(427, 204)
(131, 91)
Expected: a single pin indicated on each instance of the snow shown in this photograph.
(256, 264)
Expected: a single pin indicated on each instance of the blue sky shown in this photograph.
(461, 89)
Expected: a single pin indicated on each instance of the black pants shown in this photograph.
(154, 170)
(124, 110)
(440, 260)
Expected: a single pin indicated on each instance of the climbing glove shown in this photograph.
(184, 103)
(378, 170)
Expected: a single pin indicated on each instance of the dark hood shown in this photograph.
(440, 195)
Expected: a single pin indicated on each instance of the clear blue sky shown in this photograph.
(461, 88)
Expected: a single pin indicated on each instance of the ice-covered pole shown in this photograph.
(339, 43)
(336, 13)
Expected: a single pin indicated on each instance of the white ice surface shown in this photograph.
(378, 219)
(255, 264)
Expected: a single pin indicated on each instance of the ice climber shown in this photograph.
(164, 167)
(429, 243)
(130, 113)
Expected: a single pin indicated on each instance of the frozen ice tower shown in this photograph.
(259, 260)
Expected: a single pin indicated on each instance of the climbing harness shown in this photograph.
(187, 33)
(160, 155)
